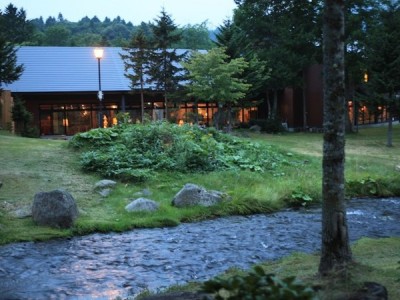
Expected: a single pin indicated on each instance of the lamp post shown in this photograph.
(98, 53)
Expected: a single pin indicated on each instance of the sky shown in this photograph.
(182, 12)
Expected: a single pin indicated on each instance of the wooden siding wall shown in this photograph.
(314, 94)
(6, 105)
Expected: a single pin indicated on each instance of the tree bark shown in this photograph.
(304, 101)
(275, 105)
(269, 106)
(142, 100)
(335, 249)
(389, 142)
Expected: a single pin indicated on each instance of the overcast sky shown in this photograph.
(183, 12)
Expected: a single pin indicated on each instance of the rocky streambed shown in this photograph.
(104, 266)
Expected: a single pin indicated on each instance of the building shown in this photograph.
(60, 87)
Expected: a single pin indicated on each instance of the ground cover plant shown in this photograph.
(133, 152)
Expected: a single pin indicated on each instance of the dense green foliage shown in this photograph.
(165, 71)
(257, 284)
(22, 118)
(136, 151)
(215, 79)
(13, 29)
(136, 64)
(58, 31)
(383, 63)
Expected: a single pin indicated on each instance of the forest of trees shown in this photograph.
(58, 31)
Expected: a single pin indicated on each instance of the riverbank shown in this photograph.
(104, 266)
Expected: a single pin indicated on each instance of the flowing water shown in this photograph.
(104, 266)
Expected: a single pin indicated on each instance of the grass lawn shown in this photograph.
(32, 165)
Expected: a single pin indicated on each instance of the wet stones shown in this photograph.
(193, 195)
(55, 209)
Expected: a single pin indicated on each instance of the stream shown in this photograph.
(104, 266)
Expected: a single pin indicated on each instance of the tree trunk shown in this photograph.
(389, 142)
(335, 249)
(229, 108)
(275, 105)
(304, 101)
(218, 116)
(269, 106)
(196, 112)
(142, 100)
(166, 105)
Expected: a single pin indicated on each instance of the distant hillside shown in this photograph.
(117, 32)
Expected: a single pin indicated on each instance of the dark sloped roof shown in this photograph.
(69, 69)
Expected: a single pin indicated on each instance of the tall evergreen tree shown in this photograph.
(230, 37)
(13, 29)
(136, 64)
(335, 246)
(10, 70)
(383, 61)
(284, 34)
(165, 71)
(14, 26)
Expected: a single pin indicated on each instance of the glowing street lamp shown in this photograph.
(98, 53)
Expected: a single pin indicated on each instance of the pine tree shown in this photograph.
(14, 26)
(10, 71)
(136, 64)
(165, 71)
(383, 61)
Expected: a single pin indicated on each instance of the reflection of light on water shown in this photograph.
(356, 212)
(391, 201)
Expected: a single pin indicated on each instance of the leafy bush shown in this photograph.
(364, 187)
(23, 118)
(258, 285)
(129, 150)
(299, 199)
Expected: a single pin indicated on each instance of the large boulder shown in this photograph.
(142, 204)
(193, 195)
(55, 209)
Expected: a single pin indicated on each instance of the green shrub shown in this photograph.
(123, 150)
(299, 199)
(258, 285)
(378, 187)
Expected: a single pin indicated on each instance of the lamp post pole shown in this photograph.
(98, 53)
